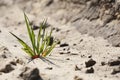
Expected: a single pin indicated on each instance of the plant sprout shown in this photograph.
(40, 44)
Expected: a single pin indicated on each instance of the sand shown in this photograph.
(84, 58)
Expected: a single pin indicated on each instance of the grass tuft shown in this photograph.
(40, 43)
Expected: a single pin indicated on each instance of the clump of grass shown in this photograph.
(40, 44)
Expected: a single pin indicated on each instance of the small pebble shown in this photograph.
(19, 23)
(103, 63)
(58, 42)
(19, 61)
(49, 68)
(34, 27)
(90, 63)
(68, 52)
(64, 45)
(8, 68)
(77, 78)
(57, 29)
(81, 40)
(61, 53)
(77, 68)
(90, 56)
(74, 44)
(13, 63)
(91, 70)
(68, 59)
(64, 49)
(114, 62)
(116, 70)
(15, 45)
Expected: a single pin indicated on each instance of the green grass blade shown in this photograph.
(51, 32)
(43, 37)
(44, 26)
(33, 42)
(30, 32)
(50, 49)
(26, 47)
(39, 37)
(42, 48)
(48, 38)
(28, 51)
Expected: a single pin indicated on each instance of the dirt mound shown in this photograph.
(93, 17)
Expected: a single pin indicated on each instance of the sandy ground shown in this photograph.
(84, 58)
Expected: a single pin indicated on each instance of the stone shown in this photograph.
(91, 70)
(31, 74)
(90, 63)
(116, 70)
(64, 45)
(8, 68)
(114, 62)
(77, 68)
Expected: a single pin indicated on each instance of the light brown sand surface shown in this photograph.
(70, 60)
